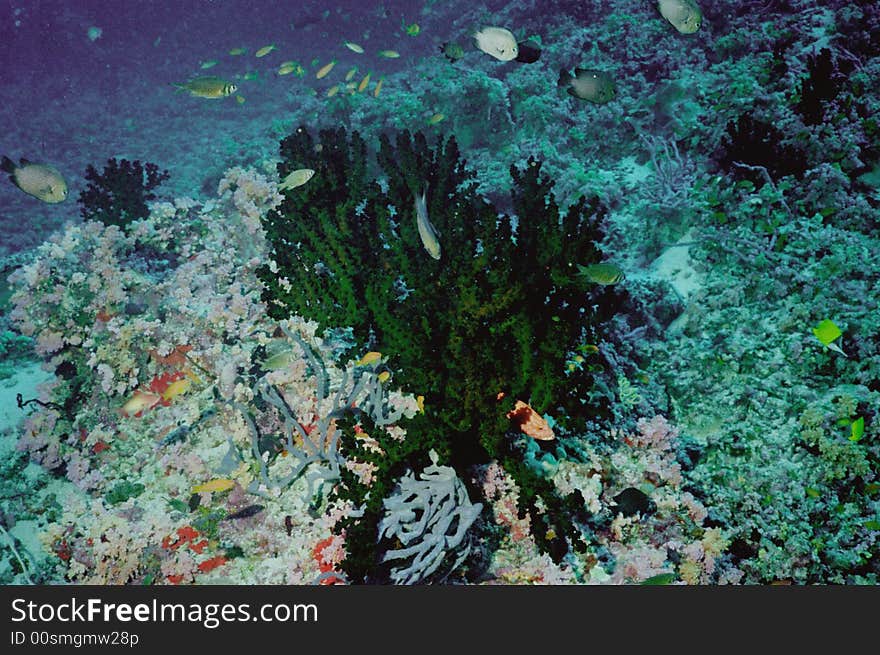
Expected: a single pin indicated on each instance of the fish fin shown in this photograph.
(573, 93)
(565, 79)
(7, 165)
(23, 162)
(580, 71)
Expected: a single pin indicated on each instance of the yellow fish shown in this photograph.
(235, 52)
(41, 181)
(378, 87)
(332, 91)
(364, 83)
(389, 54)
(176, 388)
(287, 68)
(603, 273)
(325, 70)
(209, 64)
(208, 87)
(222, 484)
(684, 15)
(370, 358)
(265, 50)
(420, 403)
(354, 47)
(436, 118)
(412, 30)
(384, 376)
(239, 99)
(350, 74)
(296, 178)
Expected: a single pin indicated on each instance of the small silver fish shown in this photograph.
(427, 232)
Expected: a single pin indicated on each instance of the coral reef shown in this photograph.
(493, 321)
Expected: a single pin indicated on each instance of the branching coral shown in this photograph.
(430, 517)
(491, 322)
(119, 195)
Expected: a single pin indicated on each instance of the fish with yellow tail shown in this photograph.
(364, 83)
(427, 232)
(604, 273)
(208, 86)
(325, 70)
(683, 15)
(265, 50)
(288, 67)
(140, 402)
(41, 181)
(497, 42)
(370, 358)
(378, 88)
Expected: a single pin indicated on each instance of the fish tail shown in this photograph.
(7, 165)
(564, 78)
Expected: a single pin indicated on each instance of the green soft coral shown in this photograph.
(497, 315)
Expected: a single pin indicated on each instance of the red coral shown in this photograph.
(161, 382)
(186, 534)
(176, 357)
(100, 447)
(198, 547)
(318, 554)
(211, 564)
(63, 550)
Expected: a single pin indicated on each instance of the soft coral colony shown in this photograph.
(214, 406)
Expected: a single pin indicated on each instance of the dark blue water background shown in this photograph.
(70, 101)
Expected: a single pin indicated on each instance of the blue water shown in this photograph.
(71, 101)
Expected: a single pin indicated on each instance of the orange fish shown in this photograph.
(530, 422)
(140, 402)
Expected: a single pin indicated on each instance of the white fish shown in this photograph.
(296, 178)
(498, 42)
(427, 232)
(684, 15)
